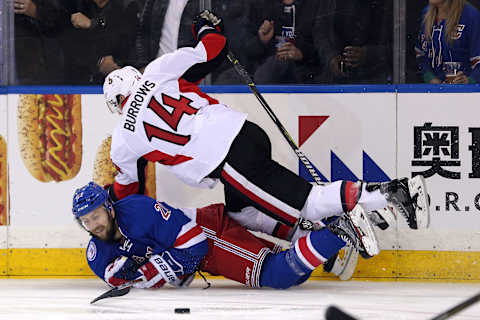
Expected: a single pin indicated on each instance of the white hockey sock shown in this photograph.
(372, 200)
(323, 202)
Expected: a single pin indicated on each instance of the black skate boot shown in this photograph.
(409, 197)
(355, 229)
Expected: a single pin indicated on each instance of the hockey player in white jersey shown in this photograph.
(167, 119)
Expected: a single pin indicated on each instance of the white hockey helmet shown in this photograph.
(119, 82)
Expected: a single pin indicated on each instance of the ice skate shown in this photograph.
(343, 263)
(355, 229)
(409, 197)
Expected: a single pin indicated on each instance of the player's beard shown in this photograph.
(110, 230)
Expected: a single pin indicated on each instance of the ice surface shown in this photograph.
(70, 299)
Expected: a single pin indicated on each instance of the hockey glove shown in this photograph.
(206, 22)
(122, 270)
(163, 268)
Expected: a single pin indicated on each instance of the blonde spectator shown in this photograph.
(450, 34)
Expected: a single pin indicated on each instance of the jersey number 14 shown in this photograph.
(180, 107)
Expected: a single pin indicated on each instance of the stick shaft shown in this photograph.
(248, 80)
(459, 307)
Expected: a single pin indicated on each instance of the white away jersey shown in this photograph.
(169, 120)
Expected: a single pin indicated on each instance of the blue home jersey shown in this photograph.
(150, 227)
(465, 48)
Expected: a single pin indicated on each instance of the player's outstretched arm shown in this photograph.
(193, 64)
(175, 267)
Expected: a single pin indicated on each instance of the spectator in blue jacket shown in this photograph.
(450, 32)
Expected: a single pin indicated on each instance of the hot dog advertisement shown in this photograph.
(104, 171)
(50, 135)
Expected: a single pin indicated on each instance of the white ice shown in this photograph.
(69, 299)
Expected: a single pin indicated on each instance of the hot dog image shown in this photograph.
(3, 182)
(50, 135)
(104, 171)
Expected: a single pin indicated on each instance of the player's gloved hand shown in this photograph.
(122, 270)
(206, 22)
(161, 269)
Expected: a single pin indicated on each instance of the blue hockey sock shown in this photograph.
(294, 266)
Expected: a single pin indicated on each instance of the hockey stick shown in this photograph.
(334, 313)
(119, 291)
(459, 307)
(349, 262)
(248, 80)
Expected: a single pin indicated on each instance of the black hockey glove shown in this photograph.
(206, 22)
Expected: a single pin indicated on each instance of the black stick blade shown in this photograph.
(333, 313)
(115, 292)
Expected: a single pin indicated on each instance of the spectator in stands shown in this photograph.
(235, 15)
(354, 41)
(161, 28)
(165, 25)
(99, 39)
(281, 39)
(38, 57)
(450, 32)
(413, 21)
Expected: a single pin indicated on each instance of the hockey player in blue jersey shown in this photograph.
(450, 32)
(148, 242)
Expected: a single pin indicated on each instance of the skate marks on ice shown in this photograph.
(70, 299)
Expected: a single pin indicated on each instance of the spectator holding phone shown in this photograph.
(281, 39)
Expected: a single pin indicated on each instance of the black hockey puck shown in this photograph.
(182, 310)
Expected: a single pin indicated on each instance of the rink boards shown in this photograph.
(371, 133)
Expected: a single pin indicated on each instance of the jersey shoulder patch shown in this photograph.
(91, 251)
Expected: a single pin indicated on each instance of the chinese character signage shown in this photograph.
(439, 137)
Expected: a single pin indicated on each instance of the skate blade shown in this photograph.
(345, 263)
(365, 229)
(416, 185)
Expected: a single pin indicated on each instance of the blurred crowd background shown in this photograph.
(78, 42)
